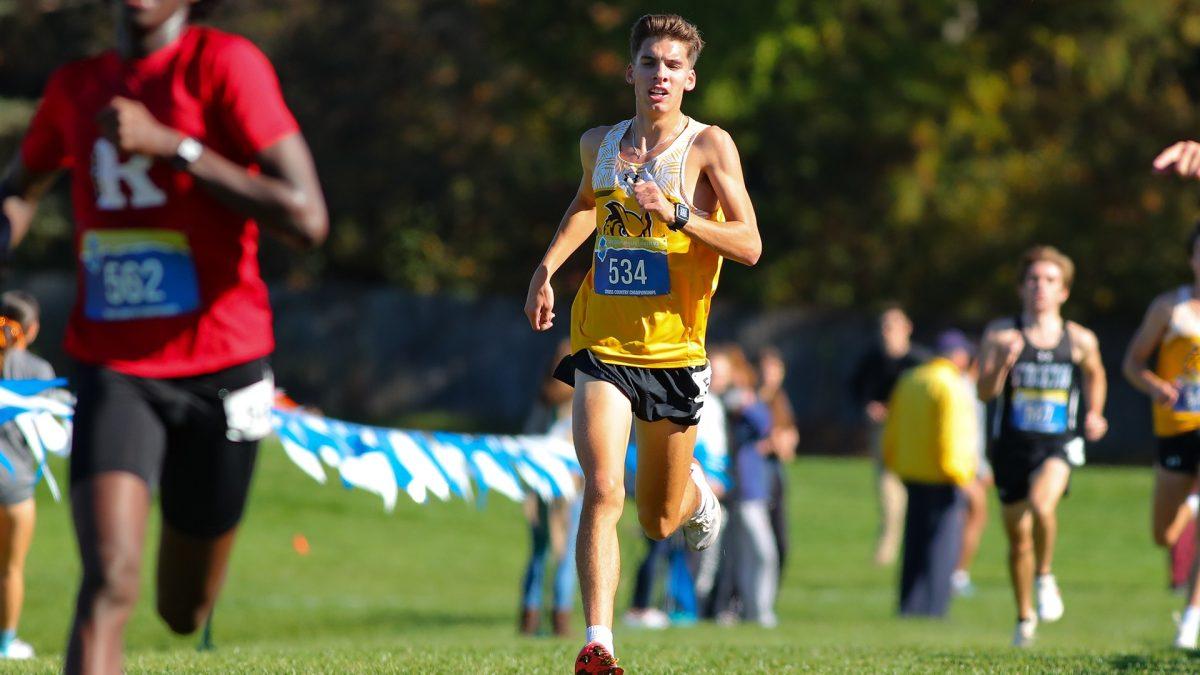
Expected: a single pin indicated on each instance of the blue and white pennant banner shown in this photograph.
(382, 461)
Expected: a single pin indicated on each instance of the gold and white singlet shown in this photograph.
(646, 300)
(1179, 364)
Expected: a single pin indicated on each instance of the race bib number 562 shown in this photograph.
(137, 274)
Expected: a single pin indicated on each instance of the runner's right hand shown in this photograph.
(1012, 349)
(877, 411)
(539, 302)
(1164, 393)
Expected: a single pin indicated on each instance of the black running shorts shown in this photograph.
(171, 433)
(674, 394)
(1180, 453)
(1014, 463)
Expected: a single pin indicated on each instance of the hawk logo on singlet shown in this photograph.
(1192, 363)
(109, 172)
(620, 220)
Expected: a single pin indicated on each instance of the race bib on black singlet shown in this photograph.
(1041, 411)
(137, 274)
(631, 266)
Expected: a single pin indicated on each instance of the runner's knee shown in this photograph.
(1044, 510)
(113, 582)
(1162, 537)
(604, 493)
(1165, 535)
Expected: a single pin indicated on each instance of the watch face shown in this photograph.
(682, 212)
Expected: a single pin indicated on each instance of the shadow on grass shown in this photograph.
(419, 620)
(1144, 663)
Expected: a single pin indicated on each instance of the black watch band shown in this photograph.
(682, 215)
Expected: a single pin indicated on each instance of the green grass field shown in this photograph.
(434, 589)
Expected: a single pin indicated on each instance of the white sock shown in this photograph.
(1193, 503)
(601, 634)
(1191, 615)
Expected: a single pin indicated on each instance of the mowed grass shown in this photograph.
(433, 589)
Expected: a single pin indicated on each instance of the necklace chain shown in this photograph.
(638, 154)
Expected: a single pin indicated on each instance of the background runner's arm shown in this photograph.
(20, 191)
(285, 197)
(737, 238)
(1095, 384)
(995, 360)
(1143, 344)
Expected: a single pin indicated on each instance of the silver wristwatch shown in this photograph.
(188, 151)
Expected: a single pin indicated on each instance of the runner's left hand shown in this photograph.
(128, 125)
(652, 200)
(1094, 426)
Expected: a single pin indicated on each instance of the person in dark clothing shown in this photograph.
(872, 383)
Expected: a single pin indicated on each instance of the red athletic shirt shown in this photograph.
(168, 283)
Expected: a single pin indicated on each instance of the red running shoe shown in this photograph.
(594, 658)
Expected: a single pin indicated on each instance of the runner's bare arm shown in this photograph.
(1147, 338)
(1001, 347)
(285, 197)
(1095, 381)
(737, 238)
(578, 223)
(20, 192)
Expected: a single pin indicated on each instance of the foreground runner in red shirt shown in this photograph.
(179, 145)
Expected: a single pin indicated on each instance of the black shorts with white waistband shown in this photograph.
(1014, 463)
(675, 394)
(1180, 453)
(171, 433)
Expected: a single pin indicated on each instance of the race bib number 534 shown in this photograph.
(631, 266)
(137, 274)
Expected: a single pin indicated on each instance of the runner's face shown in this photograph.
(1043, 289)
(145, 16)
(660, 74)
(895, 330)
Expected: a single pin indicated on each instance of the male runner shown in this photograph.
(1041, 368)
(177, 142)
(665, 196)
(1172, 328)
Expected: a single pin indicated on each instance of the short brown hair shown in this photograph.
(1051, 255)
(670, 26)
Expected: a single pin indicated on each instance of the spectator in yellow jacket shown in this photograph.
(928, 442)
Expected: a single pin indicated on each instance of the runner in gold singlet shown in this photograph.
(1172, 327)
(664, 197)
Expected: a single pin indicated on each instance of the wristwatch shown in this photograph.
(682, 215)
(188, 151)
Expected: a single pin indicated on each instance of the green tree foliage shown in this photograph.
(893, 149)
